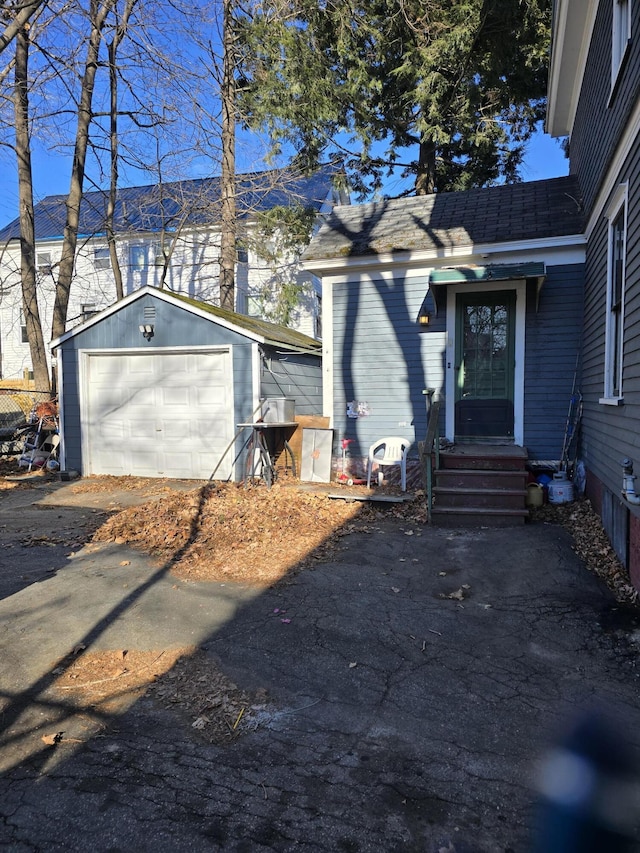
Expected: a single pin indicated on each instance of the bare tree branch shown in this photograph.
(23, 12)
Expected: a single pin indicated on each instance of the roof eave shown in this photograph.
(187, 304)
(317, 350)
(573, 22)
(424, 257)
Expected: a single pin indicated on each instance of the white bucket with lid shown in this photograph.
(560, 489)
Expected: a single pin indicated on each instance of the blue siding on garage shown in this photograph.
(553, 337)
(293, 375)
(174, 326)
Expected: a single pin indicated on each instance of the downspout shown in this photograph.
(628, 487)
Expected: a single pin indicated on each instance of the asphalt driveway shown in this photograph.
(413, 686)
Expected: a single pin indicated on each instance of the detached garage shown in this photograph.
(156, 385)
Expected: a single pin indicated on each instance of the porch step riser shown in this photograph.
(457, 518)
(481, 498)
(449, 461)
(479, 485)
(461, 478)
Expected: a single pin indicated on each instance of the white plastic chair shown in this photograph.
(394, 453)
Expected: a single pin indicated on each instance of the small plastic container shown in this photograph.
(535, 494)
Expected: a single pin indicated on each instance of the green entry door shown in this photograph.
(485, 355)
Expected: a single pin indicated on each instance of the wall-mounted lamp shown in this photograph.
(424, 318)
(147, 331)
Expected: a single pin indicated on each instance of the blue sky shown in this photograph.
(544, 159)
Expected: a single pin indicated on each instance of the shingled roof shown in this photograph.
(178, 204)
(526, 211)
(272, 333)
(265, 332)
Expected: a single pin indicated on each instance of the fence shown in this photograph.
(20, 409)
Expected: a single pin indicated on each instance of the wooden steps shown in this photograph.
(480, 485)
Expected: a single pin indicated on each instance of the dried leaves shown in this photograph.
(228, 533)
(591, 544)
(110, 680)
(185, 680)
(52, 739)
(459, 594)
(213, 705)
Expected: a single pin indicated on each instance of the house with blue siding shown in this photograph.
(476, 295)
(594, 88)
(514, 304)
(159, 384)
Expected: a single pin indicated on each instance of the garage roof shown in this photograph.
(271, 333)
(260, 331)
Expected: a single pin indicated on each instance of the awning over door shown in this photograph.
(439, 279)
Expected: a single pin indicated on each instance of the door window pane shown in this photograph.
(485, 351)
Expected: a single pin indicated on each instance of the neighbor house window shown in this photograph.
(87, 309)
(101, 259)
(318, 317)
(620, 35)
(254, 306)
(138, 258)
(159, 256)
(614, 331)
(43, 262)
(24, 338)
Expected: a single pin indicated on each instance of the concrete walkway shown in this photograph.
(414, 686)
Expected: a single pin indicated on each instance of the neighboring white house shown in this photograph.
(166, 235)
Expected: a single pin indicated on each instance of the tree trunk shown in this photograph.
(25, 11)
(167, 254)
(228, 189)
(426, 173)
(98, 16)
(27, 228)
(113, 46)
(113, 185)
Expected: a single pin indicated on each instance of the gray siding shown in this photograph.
(70, 409)
(293, 375)
(384, 359)
(553, 334)
(601, 115)
(610, 433)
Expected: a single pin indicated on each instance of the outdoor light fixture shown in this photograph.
(147, 331)
(424, 318)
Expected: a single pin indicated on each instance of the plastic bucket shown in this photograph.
(560, 489)
(535, 494)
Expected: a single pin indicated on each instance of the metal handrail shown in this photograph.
(426, 447)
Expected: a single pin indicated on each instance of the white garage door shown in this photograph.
(159, 415)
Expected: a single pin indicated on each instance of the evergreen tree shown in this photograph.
(460, 83)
